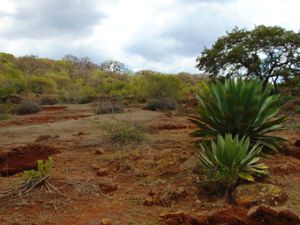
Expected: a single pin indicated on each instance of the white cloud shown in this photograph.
(164, 35)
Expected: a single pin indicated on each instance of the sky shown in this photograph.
(160, 35)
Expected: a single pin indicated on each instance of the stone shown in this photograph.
(248, 195)
(106, 221)
(102, 172)
(107, 186)
(99, 151)
(297, 143)
(95, 166)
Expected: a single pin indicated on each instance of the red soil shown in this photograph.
(24, 158)
(235, 216)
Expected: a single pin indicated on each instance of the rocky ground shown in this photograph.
(95, 181)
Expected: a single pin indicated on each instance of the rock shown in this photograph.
(166, 198)
(107, 186)
(99, 151)
(95, 166)
(297, 143)
(106, 221)
(271, 216)
(102, 172)
(233, 216)
(249, 195)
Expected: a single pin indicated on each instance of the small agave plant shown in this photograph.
(241, 108)
(229, 159)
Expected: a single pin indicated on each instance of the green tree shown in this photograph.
(267, 53)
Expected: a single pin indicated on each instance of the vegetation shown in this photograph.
(43, 170)
(161, 104)
(105, 107)
(229, 159)
(27, 107)
(125, 132)
(241, 108)
(78, 80)
(269, 54)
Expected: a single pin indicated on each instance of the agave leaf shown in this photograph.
(246, 176)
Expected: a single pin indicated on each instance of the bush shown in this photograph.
(4, 116)
(161, 104)
(48, 100)
(27, 107)
(297, 110)
(241, 108)
(162, 86)
(227, 160)
(41, 85)
(105, 107)
(125, 132)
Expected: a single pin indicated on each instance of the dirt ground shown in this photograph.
(93, 179)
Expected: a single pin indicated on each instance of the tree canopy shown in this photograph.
(269, 53)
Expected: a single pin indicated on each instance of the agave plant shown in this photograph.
(241, 108)
(229, 159)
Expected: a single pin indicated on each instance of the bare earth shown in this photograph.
(94, 179)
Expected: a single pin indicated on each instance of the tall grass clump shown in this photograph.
(241, 108)
(125, 132)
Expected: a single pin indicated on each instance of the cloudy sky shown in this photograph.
(161, 35)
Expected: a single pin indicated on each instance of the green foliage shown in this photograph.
(229, 159)
(27, 107)
(43, 170)
(4, 116)
(241, 108)
(297, 110)
(161, 104)
(266, 53)
(41, 85)
(162, 86)
(125, 132)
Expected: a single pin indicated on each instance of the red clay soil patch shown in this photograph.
(41, 120)
(235, 216)
(53, 108)
(24, 158)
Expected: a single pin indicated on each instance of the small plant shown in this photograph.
(161, 104)
(228, 160)
(125, 132)
(241, 108)
(4, 116)
(43, 170)
(105, 107)
(27, 107)
(297, 110)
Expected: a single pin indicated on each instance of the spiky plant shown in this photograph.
(241, 108)
(229, 159)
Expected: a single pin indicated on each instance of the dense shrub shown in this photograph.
(228, 159)
(125, 132)
(240, 108)
(49, 100)
(162, 86)
(41, 85)
(107, 106)
(27, 107)
(161, 104)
